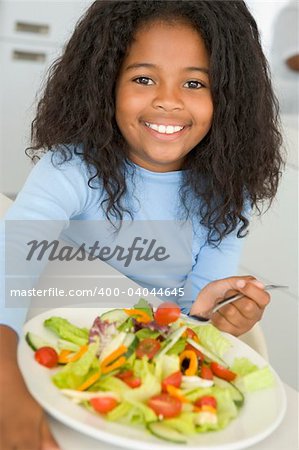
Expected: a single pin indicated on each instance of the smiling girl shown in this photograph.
(156, 110)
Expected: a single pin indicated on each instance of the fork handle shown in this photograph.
(232, 298)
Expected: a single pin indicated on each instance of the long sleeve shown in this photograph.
(51, 195)
(211, 264)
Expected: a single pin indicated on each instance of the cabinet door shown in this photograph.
(271, 249)
(22, 69)
(41, 21)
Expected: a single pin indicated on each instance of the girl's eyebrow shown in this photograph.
(154, 66)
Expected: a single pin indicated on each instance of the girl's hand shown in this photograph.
(23, 425)
(240, 316)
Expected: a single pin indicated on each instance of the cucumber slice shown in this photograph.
(162, 431)
(115, 315)
(67, 345)
(113, 345)
(171, 340)
(236, 394)
(207, 353)
(36, 342)
(131, 342)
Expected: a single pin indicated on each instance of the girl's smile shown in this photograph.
(163, 100)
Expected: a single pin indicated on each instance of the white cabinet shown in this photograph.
(271, 254)
(39, 20)
(22, 68)
(32, 34)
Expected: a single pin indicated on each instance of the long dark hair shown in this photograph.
(238, 161)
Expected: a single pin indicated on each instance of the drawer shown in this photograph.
(40, 20)
(22, 70)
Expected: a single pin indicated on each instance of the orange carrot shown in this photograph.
(91, 380)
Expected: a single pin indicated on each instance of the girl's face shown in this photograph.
(163, 99)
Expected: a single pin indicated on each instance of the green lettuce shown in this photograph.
(75, 373)
(211, 338)
(144, 306)
(184, 423)
(251, 377)
(66, 330)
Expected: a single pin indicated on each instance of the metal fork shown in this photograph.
(207, 315)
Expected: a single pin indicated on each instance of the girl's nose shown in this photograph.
(168, 99)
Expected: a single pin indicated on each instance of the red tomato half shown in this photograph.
(125, 374)
(167, 313)
(222, 372)
(133, 382)
(206, 373)
(191, 334)
(175, 379)
(103, 404)
(46, 356)
(148, 347)
(206, 400)
(165, 405)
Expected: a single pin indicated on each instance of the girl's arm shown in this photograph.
(50, 195)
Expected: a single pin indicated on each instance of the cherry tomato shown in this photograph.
(191, 334)
(165, 405)
(197, 352)
(222, 372)
(206, 400)
(206, 373)
(148, 347)
(125, 374)
(103, 404)
(46, 356)
(133, 382)
(175, 379)
(167, 313)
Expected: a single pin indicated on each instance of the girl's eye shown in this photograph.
(144, 80)
(193, 84)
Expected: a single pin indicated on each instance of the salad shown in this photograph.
(156, 369)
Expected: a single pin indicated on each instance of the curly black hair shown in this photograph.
(238, 161)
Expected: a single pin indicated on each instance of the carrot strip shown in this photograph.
(175, 392)
(110, 358)
(64, 355)
(115, 365)
(203, 408)
(91, 380)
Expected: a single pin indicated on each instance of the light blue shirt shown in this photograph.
(55, 192)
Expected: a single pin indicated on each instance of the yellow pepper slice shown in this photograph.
(142, 316)
(193, 362)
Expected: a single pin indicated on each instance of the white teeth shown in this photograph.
(164, 129)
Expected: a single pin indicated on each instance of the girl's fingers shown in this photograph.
(254, 291)
(48, 442)
(232, 321)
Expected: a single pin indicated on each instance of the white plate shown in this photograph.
(262, 413)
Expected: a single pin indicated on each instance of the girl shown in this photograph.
(157, 110)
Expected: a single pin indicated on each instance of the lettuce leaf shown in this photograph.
(211, 338)
(254, 381)
(145, 306)
(66, 330)
(75, 373)
(250, 377)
